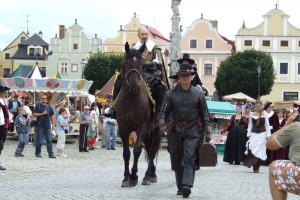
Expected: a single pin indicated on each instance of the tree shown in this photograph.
(239, 73)
(100, 68)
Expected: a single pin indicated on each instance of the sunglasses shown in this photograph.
(43, 98)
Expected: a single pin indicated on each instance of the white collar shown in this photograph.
(149, 44)
(269, 114)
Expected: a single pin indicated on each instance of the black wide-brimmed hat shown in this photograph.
(184, 69)
(3, 89)
(186, 56)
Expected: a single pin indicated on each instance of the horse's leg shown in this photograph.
(152, 145)
(133, 178)
(126, 157)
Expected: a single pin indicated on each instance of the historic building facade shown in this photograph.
(281, 39)
(30, 52)
(7, 65)
(70, 51)
(208, 48)
(129, 33)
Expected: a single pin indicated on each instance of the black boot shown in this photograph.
(186, 191)
(160, 91)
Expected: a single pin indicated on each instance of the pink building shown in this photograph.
(208, 48)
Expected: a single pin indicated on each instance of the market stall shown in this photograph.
(55, 89)
(220, 113)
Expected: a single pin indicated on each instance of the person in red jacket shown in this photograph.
(4, 120)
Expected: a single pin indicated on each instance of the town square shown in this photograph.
(149, 100)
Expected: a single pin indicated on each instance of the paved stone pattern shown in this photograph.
(98, 175)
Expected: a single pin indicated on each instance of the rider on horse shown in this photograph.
(153, 69)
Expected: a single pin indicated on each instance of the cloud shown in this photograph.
(5, 30)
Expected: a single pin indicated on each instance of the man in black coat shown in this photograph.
(188, 106)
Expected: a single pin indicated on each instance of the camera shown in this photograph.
(298, 117)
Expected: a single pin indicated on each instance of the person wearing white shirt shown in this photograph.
(28, 114)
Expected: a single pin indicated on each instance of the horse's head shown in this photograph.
(133, 67)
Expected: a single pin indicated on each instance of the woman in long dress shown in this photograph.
(235, 146)
(258, 131)
(93, 116)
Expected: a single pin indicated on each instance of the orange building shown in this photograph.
(208, 48)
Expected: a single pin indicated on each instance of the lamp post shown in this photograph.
(258, 82)
(83, 63)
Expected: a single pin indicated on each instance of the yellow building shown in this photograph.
(129, 33)
(6, 63)
(281, 39)
(208, 48)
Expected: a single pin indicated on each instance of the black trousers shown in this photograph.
(184, 151)
(3, 132)
(82, 138)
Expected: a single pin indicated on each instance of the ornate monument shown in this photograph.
(175, 38)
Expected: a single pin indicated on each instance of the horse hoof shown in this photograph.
(146, 182)
(153, 179)
(125, 184)
(133, 183)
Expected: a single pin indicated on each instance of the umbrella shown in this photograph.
(238, 96)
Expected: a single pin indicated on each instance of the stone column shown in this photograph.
(175, 38)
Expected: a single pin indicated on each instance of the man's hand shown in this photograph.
(208, 133)
(292, 117)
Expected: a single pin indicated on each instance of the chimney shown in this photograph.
(41, 34)
(61, 31)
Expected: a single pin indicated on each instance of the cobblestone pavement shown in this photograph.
(98, 175)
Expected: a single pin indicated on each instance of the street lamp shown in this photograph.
(83, 63)
(258, 85)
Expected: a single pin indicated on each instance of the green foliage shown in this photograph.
(100, 68)
(239, 73)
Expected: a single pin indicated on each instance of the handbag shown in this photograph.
(36, 127)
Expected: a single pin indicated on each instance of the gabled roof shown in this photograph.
(35, 40)
(22, 71)
(15, 40)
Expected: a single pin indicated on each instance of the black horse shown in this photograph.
(134, 112)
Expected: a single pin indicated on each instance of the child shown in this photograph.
(20, 123)
(61, 132)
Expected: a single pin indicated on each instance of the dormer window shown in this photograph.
(35, 51)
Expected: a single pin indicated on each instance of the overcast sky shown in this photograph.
(104, 17)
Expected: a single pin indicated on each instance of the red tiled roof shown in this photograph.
(155, 33)
(233, 50)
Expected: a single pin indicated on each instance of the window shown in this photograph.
(298, 68)
(266, 43)
(208, 43)
(44, 70)
(284, 43)
(6, 72)
(208, 69)
(64, 68)
(283, 68)
(193, 43)
(31, 51)
(37, 51)
(290, 96)
(23, 39)
(74, 68)
(248, 43)
(75, 46)
(7, 55)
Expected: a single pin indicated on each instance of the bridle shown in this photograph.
(133, 70)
